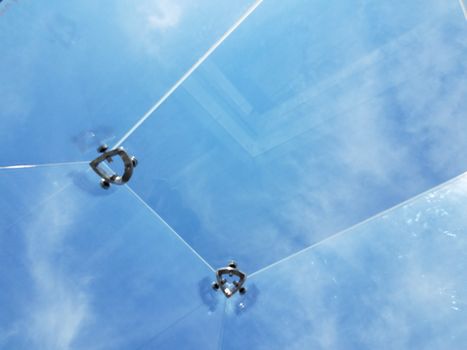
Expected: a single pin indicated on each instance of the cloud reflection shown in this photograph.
(60, 305)
(396, 282)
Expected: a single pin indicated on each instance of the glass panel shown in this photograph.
(395, 282)
(85, 268)
(23, 189)
(81, 72)
(310, 118)
(197, 330)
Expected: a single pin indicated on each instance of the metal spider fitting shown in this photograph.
(129, 163)
(230, 288)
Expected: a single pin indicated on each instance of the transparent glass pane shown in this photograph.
(84, 268)
(77, 73)
(23, 189)
(196, 330)
(394, 282)
(309, 119)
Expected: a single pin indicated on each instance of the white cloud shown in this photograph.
(60, 306)
(8, 333)
(150, 24)
(162, 14)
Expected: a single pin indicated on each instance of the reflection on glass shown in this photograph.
(394, 282)
(84, 268)
(309, 119)
(82, 72)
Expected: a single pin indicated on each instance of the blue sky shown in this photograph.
(303, 120)
(278, 139)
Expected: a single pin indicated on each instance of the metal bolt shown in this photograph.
(102, 148)
(105, 184)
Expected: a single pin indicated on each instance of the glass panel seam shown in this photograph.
(190, 71)
(170, 228)
(353, 227)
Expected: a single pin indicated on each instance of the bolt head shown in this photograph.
(105, 184)
(215, 286)
(102, 148)
(242, 290)
(134, 161)
(233, 264)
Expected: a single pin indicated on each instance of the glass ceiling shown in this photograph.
(319, 145)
